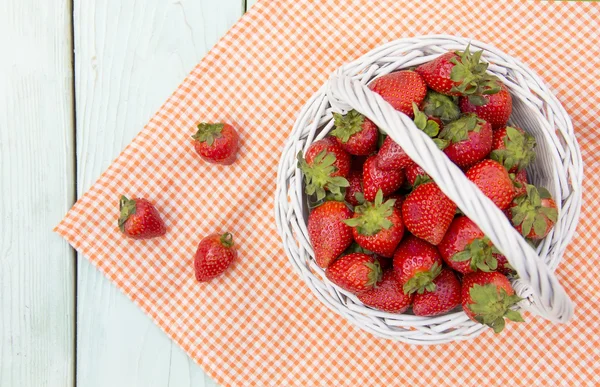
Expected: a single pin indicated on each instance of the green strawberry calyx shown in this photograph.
(373, 216)
(226, 240)
(440, 105)
(471, 75)
(518, 149)
(423, 280)
(421, 179)
(429, 127)
(481, 253)
(492, 304)
(348, 125)
(375, 273)
(208, 133)
(457, 131)
(318, 176)
(529, 212)
(127, 208)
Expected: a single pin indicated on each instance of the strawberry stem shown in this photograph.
(208, 132)
(227, 239)
(127, 208)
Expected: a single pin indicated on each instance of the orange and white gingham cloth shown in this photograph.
(259, 325)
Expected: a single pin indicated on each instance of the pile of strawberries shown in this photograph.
(383, 230)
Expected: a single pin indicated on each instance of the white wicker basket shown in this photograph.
(558, 167)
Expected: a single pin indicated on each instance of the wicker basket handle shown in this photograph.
(537, 283)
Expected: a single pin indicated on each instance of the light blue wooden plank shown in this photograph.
(37, 293)
(130, 56)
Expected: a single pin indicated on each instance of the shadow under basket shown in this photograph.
(558, 167)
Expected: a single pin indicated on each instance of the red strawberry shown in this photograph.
(387, 296)
(377, 226)
(440, 106)
(214, 255)
(139, 219)
(391, 156)
(427, 212)
(354, 192)
(494, 108)
(535, 213)
(216, 143)
(487, 299)
(520, 181)
(329, 235)
(374, 179)
(416, 264)
(466, 249)
(459, 73)
(399, 199)
(356, 272)
(493, 180)
(355, 133)
(469, 140)
(513, 148)
(443, 299)
(415, 175)
(400, 89)
(325, 168)
(503, 266)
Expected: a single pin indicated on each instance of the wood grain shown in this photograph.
(130, 56)
(37, 188)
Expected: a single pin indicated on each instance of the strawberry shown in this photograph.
(377, 226)
(466, 249)
(443, 299)
(493, 180)
(469, 140)
(513, 148)
(374, 179)
(534, 213)
(214, 255)
(415, 175)
(329, 235)
(387, 296)
(216, 143)
(356, 272)
(440, 106)
(391, 156)
(356, 134)
(503, 266)
(520, 181)
(354, 191)
(400, 89)
(325, 168)
(416, 264)
(459, 73)
(139, 219)
(494, 108)
(488, 297)
(427, 212)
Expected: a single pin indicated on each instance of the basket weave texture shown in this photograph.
(558, 167)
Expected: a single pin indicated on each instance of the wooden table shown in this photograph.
(78, 80)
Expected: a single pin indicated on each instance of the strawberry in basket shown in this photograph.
(488, 298)
(494, 108)
(416, 264)
(377, 226)
(460, 73)
(328, 233)
(401, 89)
(356, 134)
(469, 140)
(534, 213)
(387, 295)
(356, 272)
(513, 148)
(466, 249)
(325, 168)
(445, 296)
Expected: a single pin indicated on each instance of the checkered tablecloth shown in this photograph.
(259, 325)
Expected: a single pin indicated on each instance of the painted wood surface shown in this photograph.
(130, 56)
(37, 275)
